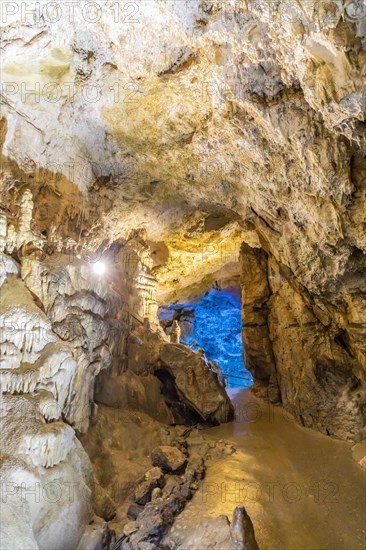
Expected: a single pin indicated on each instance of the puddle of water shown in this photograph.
(303, 490)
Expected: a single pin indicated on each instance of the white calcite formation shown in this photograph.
(45, 475)
(22, 322)
(47, 368)
(136, 264)
(11, 237)
(61, 324)
(36, 372)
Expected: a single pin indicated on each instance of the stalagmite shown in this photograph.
(175, 333)
(26, 213)
(242, 531)
(3, 231)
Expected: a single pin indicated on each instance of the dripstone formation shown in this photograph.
(179, 144)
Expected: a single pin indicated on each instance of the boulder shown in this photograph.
(195, 470)
(154, 478)
(134, 510)
(198, 382)
(103, 505)
(130, 528)
(172, 483)
(132, 391)
(156, 493)
(218, 533)
(169, 459)
(97, 536)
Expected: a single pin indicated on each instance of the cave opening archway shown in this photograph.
(213, 323)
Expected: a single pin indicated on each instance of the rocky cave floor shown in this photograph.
(301, 489)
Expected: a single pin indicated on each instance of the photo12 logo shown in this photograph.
(31, 12)
(321, 492)
(270, 11)
(53, 92)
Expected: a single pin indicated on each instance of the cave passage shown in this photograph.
(214, 324)
(183, 275)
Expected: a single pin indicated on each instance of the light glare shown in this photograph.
(99, 268)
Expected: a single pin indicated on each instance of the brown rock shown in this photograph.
(197, 381)
(169, 459)
(258, 354)
(103, 505)
(242, 530)
(152, 479)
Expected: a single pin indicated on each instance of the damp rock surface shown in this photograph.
(225, 139)
(168, 458)
(272, 476)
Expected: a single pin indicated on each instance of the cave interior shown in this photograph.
(183, 275)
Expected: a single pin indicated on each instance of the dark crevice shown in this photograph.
(266, 223)
(182, 413)
(342, 340)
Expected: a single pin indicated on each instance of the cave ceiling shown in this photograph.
(198, 125)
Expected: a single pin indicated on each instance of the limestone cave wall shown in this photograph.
(303, 350)
(165, 137)
(73, 339)
(60, 325)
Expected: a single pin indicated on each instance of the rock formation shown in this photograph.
(220, 533)
(241, 530)
(171, 382)
(297, 350)
(61, 324)
(175, 333)
(179, 144)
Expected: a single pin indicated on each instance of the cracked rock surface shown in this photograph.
(180, 143)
